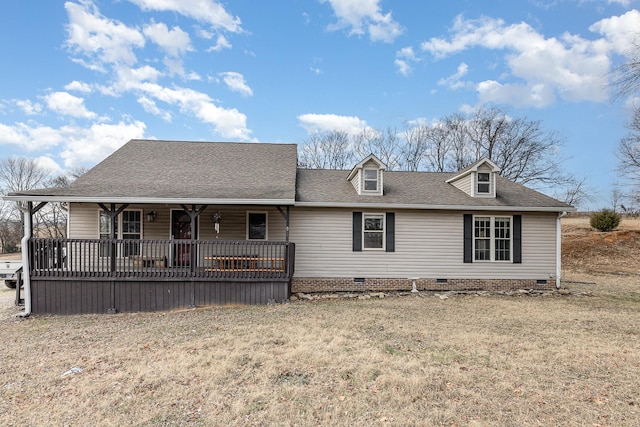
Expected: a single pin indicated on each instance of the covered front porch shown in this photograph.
(215, 255)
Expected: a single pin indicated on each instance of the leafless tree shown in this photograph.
(331, 150)
(626, 79)
(525, 151)
(573, 192)
(629, 150)
(23, 174)
(385, 145)
(414, 150)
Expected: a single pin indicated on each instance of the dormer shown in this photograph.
(477, 179)
(367, 176)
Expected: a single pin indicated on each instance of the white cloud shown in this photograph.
(362, 16)
(81, 146)
(623, 3)
(404, 58)
(453, 81)
(30, 136)
(221, 43)
(570, 67)
(313, 123)
(174, 42)
(28, 107)
(101, 39)
(85, 146)
(48, 164)
(230, 123)
(208, 11)
(235, 82)
(78, 87)
(620, 32)
(66, 104)
(151, 107)
(518, 95)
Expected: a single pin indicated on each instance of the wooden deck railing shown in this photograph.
(161, 258)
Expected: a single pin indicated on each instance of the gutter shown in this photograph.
(26, 267)
(147, 200)
(469, 208)
(559, 248)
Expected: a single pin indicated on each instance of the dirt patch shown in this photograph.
(590, 251)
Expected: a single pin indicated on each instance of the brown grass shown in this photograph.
(402, 361)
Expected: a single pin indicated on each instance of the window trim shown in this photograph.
(383, 232)
(266, 225)
(119, 228)
(365, 180)
(483, 182)
(493, 239)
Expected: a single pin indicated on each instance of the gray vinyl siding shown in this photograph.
(355, 181)
(428, 244)
(463, 184)
(83, 222)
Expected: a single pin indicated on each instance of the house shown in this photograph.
(161, 225)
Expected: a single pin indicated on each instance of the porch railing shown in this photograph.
(161, 258)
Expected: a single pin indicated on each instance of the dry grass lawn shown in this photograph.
(399, 361)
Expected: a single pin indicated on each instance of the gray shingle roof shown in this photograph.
(420, 189)
(154, 169)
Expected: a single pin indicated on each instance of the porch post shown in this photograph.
(286, 221)
(113, 217)
(193, 214)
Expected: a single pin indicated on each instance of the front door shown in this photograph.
(181, 230)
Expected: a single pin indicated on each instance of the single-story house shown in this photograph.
(162, 225)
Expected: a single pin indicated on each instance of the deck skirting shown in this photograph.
(78, 296)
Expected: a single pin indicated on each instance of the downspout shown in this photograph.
(26, 268)
(559, 249)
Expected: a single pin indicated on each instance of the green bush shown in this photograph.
(605, 220)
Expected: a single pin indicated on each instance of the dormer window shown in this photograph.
(478, 179)
(483, 183)
(367, 177)
(370, 180)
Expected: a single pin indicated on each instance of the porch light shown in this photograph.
(217, 216)
(151, 216)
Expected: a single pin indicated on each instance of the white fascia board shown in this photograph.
(436, 207)
(151, 200)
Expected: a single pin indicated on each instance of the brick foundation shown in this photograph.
(349, 284)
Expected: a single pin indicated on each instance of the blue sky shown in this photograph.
(80, 78)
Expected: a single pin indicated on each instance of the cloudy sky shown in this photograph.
(80, 78)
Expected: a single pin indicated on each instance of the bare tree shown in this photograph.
(23, 174)
(414, 150)
(330, 150)
(385, 145)
(573, 192)
(627, 76)
(629, 150)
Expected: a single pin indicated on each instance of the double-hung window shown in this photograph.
(483, 183)
(370, 180)
(128, 226)
(373, 231)
(492, 238)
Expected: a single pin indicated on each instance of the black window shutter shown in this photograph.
(517, 239)
(468, 238)
(357, 231)
(391, 232)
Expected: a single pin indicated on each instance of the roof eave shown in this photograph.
(150, 200)
(437, 207)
